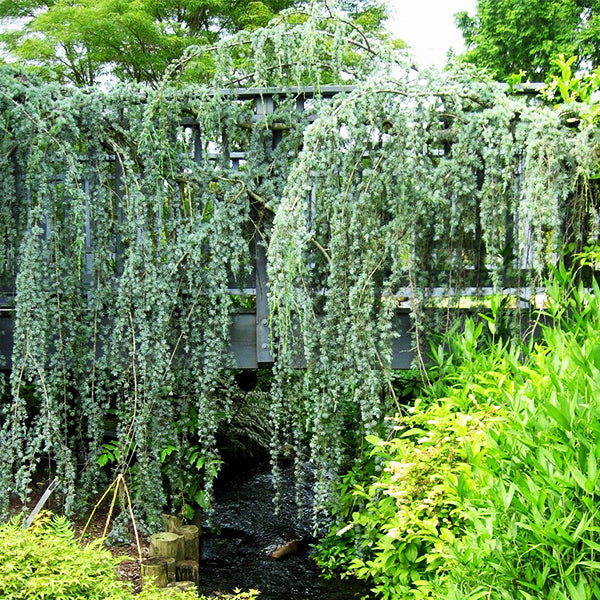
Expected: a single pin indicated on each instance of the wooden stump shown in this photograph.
(187, 570)
(155, 569)
(171, 523)
(191, 542)
(167, 545)
(171, 569)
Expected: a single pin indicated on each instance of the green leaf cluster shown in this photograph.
(527, 36)
(47, 561)
(122, 232)
(490, 491)
(536, 520)
(405, 185)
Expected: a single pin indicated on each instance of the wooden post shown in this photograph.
(190, 541)
(187, 570)
(263, 332)
(155, 570)
(171, 523)
(167, 544)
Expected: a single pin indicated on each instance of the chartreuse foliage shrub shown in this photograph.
(126, 218)
(47, 562)
(397, 511)
(491, 489)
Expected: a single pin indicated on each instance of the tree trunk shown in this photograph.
(197, 520)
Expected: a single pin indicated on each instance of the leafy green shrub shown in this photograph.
(47, 562)
(397, 519)
(491, 490)
(533, 528)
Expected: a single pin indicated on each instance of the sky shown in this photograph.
(427, 26)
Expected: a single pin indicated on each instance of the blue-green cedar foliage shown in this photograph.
(122, 307)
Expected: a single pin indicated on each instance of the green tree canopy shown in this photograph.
(134, 40)
(510, 36)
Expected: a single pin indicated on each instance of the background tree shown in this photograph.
(510, 36)
(135, 40)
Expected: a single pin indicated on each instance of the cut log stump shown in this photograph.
(191, 542)
(156, 570)
(187, 570)
(171, 569)
(171, 523)
(167, 544)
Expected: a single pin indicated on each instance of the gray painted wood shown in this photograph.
(243, 340)
(402, 346)
(247, 332)
(7, 328)
(263, 333)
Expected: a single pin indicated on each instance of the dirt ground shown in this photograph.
(128, 567)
